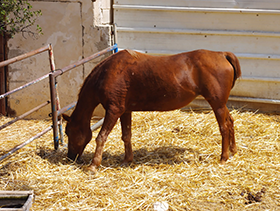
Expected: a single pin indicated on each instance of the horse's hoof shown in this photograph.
(126, 163)
(91, 169)
(233, 151)
(222, 162)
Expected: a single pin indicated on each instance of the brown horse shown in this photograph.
(131, 81)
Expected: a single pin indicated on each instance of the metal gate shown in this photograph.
(250, 29)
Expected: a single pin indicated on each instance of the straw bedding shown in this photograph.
(176, 161)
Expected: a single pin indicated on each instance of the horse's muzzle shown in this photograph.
(74, 157)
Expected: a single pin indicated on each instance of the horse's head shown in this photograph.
(78, 138)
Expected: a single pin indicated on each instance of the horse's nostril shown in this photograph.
(79, 160)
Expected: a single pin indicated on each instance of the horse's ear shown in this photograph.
(66, 118)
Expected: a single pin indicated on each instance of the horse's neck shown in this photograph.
(83, 110)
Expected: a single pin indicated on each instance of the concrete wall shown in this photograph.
(76, 29)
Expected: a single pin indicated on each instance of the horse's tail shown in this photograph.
(232, 59)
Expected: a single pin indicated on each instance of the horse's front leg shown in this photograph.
(109, 122)
(126, 137)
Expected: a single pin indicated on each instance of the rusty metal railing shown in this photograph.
(52, 67)
(55, 105)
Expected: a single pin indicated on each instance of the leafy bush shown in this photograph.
(17, 16)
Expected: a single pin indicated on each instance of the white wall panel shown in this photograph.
(196, 18)
(252, 4)
(191, 40)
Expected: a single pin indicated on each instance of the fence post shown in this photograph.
(3, 76)
(53, 92)
(59, 119)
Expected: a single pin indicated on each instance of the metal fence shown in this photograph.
(56, 111)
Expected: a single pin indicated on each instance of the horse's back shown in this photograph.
(146, 82)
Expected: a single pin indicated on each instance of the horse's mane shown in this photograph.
(91, 74)
(131, 52)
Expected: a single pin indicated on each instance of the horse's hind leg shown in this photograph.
(232, 145)
(225, 122)
(126, 137)
(110, 120)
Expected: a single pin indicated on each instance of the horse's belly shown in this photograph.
(164, 103)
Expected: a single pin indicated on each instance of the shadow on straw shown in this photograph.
(168, 155)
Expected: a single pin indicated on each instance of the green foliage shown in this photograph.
(16, 16)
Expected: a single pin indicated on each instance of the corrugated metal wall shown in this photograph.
(248, 28)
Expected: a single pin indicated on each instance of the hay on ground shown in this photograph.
(176, 160)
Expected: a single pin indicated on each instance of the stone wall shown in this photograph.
(76, 29)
